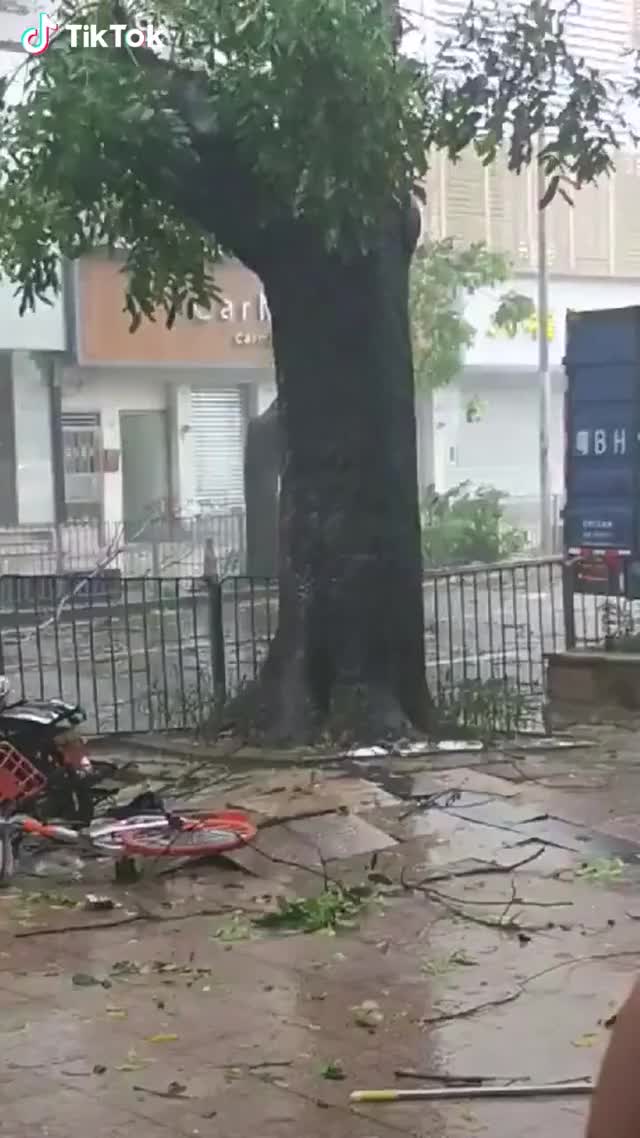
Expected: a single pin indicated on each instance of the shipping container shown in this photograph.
(602, 429)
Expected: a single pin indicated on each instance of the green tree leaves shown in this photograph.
(442, 275)
(507, 75)
(267, 114)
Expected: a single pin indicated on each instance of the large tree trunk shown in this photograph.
(262, 463)
(350, 646)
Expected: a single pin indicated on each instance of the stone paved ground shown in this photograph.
(211, 1029)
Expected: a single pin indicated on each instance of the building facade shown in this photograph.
(108, 430)
(484, 428)
(154, 422)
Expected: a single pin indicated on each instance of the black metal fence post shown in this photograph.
(216, 639)
(216, 627)
(568, 610)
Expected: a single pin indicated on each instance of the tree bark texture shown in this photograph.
(350, 643)
(262, 462)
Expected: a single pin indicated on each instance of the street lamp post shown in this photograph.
(544, 374)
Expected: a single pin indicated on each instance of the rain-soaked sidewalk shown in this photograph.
(176, 1013)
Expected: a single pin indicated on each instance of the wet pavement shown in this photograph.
(499, 936)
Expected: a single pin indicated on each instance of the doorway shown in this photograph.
(144, 440)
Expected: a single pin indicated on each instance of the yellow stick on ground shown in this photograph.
(522, 1090)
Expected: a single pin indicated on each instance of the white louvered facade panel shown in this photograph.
(601, 30)
(465, 197)
(635, 23)
(218, 424)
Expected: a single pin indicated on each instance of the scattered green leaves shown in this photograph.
(336, 907)
(603, 869)
(441, 965)
(589, 1039)
(333, 1071)
(54, 900)
(512, 312)
(86, 980)
(122, 969)
(236, 928)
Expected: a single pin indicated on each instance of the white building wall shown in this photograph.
(498, 445)
(576, 293)
(181, 457)
(32, 423)
(108, 391)
(485, 425)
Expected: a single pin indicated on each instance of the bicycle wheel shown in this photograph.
(193, 836)
(108, 835)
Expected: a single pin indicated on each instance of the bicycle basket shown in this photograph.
(18, 777)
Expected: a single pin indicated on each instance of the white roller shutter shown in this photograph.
(218, 432)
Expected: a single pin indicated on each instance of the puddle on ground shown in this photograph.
(428, 782)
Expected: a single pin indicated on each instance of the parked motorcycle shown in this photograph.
(46, 733)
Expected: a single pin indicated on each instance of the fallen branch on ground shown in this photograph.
(472, 1080)
(486, 868)
(499, 901)
(467, 1013)
(114, 549)
(170, 1094)
(501, 923)
(301, 816)
(130, 919)
(255, 1066)
(449, 1080)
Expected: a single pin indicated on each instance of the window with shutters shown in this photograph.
(218, 421)
(465, 200)
(559, 222)
(509, 213)
(432, 207)
(635, 23)
(600, 30)
(626, 188)
(591, 228)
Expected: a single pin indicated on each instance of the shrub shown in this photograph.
(487, 708)
(466, 524)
